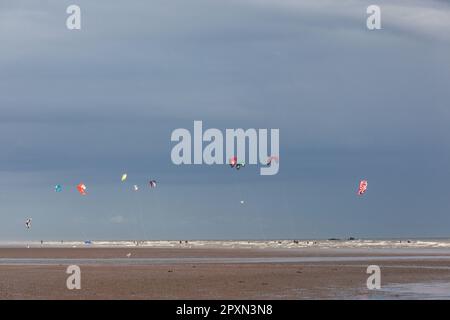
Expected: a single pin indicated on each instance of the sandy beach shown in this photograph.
(223, 273)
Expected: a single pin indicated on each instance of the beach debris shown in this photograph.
(135, 187)
(362, 187)
(28, 223)
(152, 183)
(272, 158)
(81, 189)
(58, 188)
(124, 177)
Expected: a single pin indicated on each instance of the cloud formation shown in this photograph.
(350, 104)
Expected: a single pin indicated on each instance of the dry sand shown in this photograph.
(207, 279)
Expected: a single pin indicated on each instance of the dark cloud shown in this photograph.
(88, 105)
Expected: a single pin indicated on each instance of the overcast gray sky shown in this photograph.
(351, 104)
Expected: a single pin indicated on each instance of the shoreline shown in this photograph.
(431, 243)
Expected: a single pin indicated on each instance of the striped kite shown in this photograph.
(362, 187)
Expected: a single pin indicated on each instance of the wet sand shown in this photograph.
(187, 273)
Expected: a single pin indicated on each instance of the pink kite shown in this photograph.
(233, 161)
(362, 187)
(269, 160)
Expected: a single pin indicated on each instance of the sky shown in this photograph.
(350, 103)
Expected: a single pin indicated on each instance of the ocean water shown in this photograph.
(261, 244)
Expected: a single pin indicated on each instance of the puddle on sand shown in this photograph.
(410, 291)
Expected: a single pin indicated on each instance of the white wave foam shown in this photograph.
(260, 244)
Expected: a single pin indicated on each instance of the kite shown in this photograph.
(152, 183)
(240, 165)
(58, 188)
(272, 158)
(136, 188)
(28, 223)
(233, 161)
(235, 164)
(81, 189)
(362, 187)
(124, 177)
